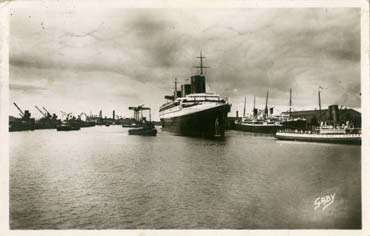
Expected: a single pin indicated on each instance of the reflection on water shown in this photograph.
(103, 178)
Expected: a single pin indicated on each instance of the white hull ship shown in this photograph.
(333, 132)
(326, 135)
(194, 112)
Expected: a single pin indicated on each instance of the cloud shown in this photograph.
(120, 57)
(26, 87)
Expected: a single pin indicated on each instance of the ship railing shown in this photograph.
(204, 99)
(350, 131)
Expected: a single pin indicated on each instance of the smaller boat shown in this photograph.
(67, 126)
(265, 124)
(148, 129)
(258, 126)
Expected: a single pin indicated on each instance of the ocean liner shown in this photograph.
(193, 111)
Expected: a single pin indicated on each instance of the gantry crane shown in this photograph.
(138, 112)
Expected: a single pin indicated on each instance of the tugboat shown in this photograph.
(257, 124)
(148, 129)
(193, 111)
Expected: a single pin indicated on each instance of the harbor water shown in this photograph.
(102, 178)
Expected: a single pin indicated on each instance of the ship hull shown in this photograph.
(67, 128)
(143, 132)
(270, 129)
(21, 125)
(46, 125)
(207, 123)
(323, 138)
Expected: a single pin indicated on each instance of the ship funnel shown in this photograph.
(255, 112)
(271, 110)
(185, 89)
(334, 114)
(198, 84)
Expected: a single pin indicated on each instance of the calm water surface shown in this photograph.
(102, 178)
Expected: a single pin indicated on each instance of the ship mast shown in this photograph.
(266, 109)
(319, 105)
(254, 107)
(290, 104)
(245, 102)
(201, 63)
(175, 93)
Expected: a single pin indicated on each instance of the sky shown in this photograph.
(86, 60)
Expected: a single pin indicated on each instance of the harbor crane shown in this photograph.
(47, 112)
(66, 114)
(24, 114)
(44, 114)
(138, 112)
(21, 113)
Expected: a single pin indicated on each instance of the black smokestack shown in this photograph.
(255, 112)
(198, 84)
(185, 89)
(334, 114)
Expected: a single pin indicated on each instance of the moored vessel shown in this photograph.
(258, 123)
(258, 126)
(325, 133)
(25, 122)
(147, 129)
(290, 122)
(193, 111)
(48, 121)
(330, 131)
(68, 125)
